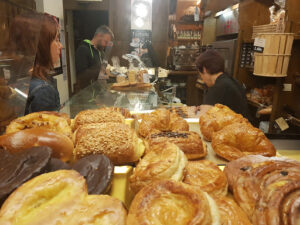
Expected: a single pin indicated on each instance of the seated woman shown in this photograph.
(43, 94)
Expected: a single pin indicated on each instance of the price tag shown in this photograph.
(282, 124)
(259, 45)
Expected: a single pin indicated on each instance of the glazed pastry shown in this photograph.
(164, 161)
(161, 120)
(57, 164)
(240, 139)
(50, 120)
(230, 212)
(169, 202)
(60, 198)
(207, 176)
(16, 169)
(216, 119)
(61, 145)
(188, 141)
(98, 172)
(115, 140)
(102, 115)
(266, 188)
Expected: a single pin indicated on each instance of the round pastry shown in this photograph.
(98, 172)
(230, 212)
(15, 169)
(240, 139)
(164, 161)
(168, 202)
(60, 198)
(61, 145)
(161, 120)
(57, 164)
(216, 119)
(115, 140)
(50, 120)
(102, 115)
(188, 141)
(207, 176)
(254, 176)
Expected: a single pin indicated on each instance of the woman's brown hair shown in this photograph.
(43, 62)
(212, 61)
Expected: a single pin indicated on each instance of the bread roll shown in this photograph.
(161, 120)
(240, 139)
(61, 145)
(216, 119)
(207, 176)
(188, 141)
(102, 115)
(115, 140)
(230, 212)
(164, 161)
(168, 203)
(51, 120)
(60, 198)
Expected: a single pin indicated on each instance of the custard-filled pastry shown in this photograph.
(168, 203)
(267, 188)
(188, 141)
(217, 118)
(102, 115)
(161, 120)
(207, 176)
(240, 139)
(58, 122)
(60, 198)
(230, 212)
(115, 140)
(164, 161)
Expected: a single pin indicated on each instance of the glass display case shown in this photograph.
(99, 94)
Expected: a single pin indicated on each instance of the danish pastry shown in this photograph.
(169, 202)
(101, 115)
(267, 189)
(51, 120)
(240, 139)
(60, 198)
(115, 140)
(217, 118)
(230, 212)
(164, 161)
(161, 120)
(188, 141)
(207, 176)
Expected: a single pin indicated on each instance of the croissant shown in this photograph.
(161, 120)
(217, 118)
(240, 139)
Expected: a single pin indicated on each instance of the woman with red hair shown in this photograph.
(43, 94)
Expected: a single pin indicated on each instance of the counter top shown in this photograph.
(183, 72)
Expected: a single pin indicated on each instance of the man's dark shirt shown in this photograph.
(88, 63)
(229, 92)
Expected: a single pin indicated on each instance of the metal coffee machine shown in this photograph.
(184, 58)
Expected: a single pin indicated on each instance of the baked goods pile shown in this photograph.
(232, 136)
(60, 197)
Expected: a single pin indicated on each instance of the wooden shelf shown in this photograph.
(188, 40)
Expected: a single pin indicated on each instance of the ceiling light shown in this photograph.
(141, 10)
(139, 22)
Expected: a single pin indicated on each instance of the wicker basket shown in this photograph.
(274, 61)
(269, 28)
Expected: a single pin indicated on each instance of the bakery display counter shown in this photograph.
(99, 94)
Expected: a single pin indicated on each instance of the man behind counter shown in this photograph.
(90, 56)
(222, 89)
